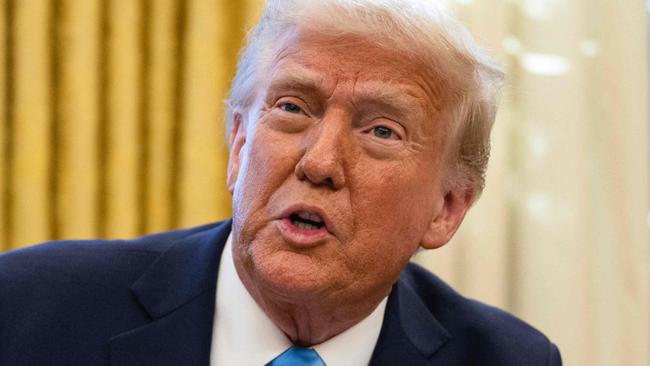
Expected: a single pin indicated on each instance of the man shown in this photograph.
(358, 133)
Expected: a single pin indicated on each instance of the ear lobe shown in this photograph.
(237, 139)
(445, 223)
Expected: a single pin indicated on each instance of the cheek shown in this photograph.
(266, 163)
(393, 208)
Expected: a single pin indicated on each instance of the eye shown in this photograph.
(290, 107)
(384, 133)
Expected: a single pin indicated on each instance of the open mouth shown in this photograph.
(306, 220)
(304, 226)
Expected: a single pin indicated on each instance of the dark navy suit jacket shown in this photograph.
(150, 301)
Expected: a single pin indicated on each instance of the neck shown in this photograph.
(310, 320)
(308, 324)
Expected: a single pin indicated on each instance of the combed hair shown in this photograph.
(465, 78)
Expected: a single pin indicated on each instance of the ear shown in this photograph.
(237, 139)
(445, 223)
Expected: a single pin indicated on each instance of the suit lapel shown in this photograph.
(178, 293)
(410, 334)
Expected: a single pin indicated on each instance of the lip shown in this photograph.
(302, 237)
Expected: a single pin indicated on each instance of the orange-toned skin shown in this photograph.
(315, 142)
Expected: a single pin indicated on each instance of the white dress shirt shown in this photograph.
(243, 335)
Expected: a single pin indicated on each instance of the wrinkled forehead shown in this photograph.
(326, 61)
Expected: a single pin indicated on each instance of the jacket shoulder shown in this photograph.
(71, 265)
(75, 295)
(480, 333)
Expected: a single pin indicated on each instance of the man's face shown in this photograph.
(337, 180)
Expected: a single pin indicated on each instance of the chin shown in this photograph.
(292, 276)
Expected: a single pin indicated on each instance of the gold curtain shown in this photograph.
(112, 127)
(112, 115)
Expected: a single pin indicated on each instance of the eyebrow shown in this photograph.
(396, 99)
(297, 78)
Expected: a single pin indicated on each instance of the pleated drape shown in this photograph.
(28, 132)
(76, 52)
(112, 115)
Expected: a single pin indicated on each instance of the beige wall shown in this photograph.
(560, 236)
(111, 126)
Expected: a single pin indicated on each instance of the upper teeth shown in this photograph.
(309, 216)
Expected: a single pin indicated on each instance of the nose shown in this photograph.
(324, 155)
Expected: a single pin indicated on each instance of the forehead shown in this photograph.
(309, 59)
(352, 53)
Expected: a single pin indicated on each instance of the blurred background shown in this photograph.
(112, 126)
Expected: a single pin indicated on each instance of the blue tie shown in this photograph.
(297, 356)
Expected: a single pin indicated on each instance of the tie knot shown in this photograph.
(297, 356)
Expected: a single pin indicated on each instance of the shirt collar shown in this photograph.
(244, 335)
